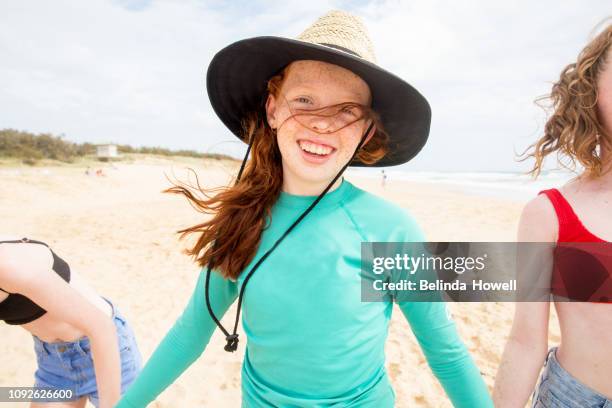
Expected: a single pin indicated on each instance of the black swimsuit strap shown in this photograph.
(22, 241)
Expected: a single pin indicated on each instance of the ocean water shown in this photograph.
(514, 186)
(507, 185)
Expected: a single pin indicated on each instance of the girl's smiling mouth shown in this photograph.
(315, 152)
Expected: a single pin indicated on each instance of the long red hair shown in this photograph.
(241, 211)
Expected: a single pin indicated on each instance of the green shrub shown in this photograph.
(31, 148)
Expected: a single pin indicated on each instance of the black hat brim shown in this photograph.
(237, 78)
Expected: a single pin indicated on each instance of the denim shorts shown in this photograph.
(69, 365)
(558, 389)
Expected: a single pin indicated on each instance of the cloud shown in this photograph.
(133, 71)
(133, 5)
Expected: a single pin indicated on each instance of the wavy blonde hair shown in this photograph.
(574, 129)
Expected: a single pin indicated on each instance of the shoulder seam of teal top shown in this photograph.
(350, 217)
(446, 354)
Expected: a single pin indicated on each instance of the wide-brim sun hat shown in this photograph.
(237, 78)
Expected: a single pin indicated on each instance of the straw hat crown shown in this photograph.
(342, 31)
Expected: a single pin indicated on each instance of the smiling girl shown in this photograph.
(285, 240)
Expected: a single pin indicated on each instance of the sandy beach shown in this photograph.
(118, 231)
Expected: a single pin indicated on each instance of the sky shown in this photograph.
(133, 71)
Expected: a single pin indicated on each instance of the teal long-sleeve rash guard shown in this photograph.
(311, 341)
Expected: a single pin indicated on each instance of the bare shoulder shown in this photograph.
(581, 188)
(538, 221)
(22, 262)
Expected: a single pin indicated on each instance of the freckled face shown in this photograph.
(314, 154)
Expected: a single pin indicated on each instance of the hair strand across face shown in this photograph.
(242, 211)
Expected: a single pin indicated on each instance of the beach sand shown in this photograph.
(118, 231)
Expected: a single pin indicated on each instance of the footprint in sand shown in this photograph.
(394, 371)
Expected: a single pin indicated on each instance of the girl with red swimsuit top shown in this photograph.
(582, 267)
(577, 217)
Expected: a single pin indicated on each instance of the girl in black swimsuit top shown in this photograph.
(67, 364)
(17, 309)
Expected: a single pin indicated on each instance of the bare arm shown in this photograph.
(183, 343)
(527, 344)
(26, 269)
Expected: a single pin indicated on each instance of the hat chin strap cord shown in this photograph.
(232, 339)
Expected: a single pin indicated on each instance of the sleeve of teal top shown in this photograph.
(183, 344)
(446, 354)
(444, 350)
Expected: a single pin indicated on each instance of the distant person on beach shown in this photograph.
(577, 373)
(291, 227)
(85, 349)
(383, 178)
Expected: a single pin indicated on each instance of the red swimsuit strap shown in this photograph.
(570, 226)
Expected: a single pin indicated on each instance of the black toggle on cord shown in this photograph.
(232, 339)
